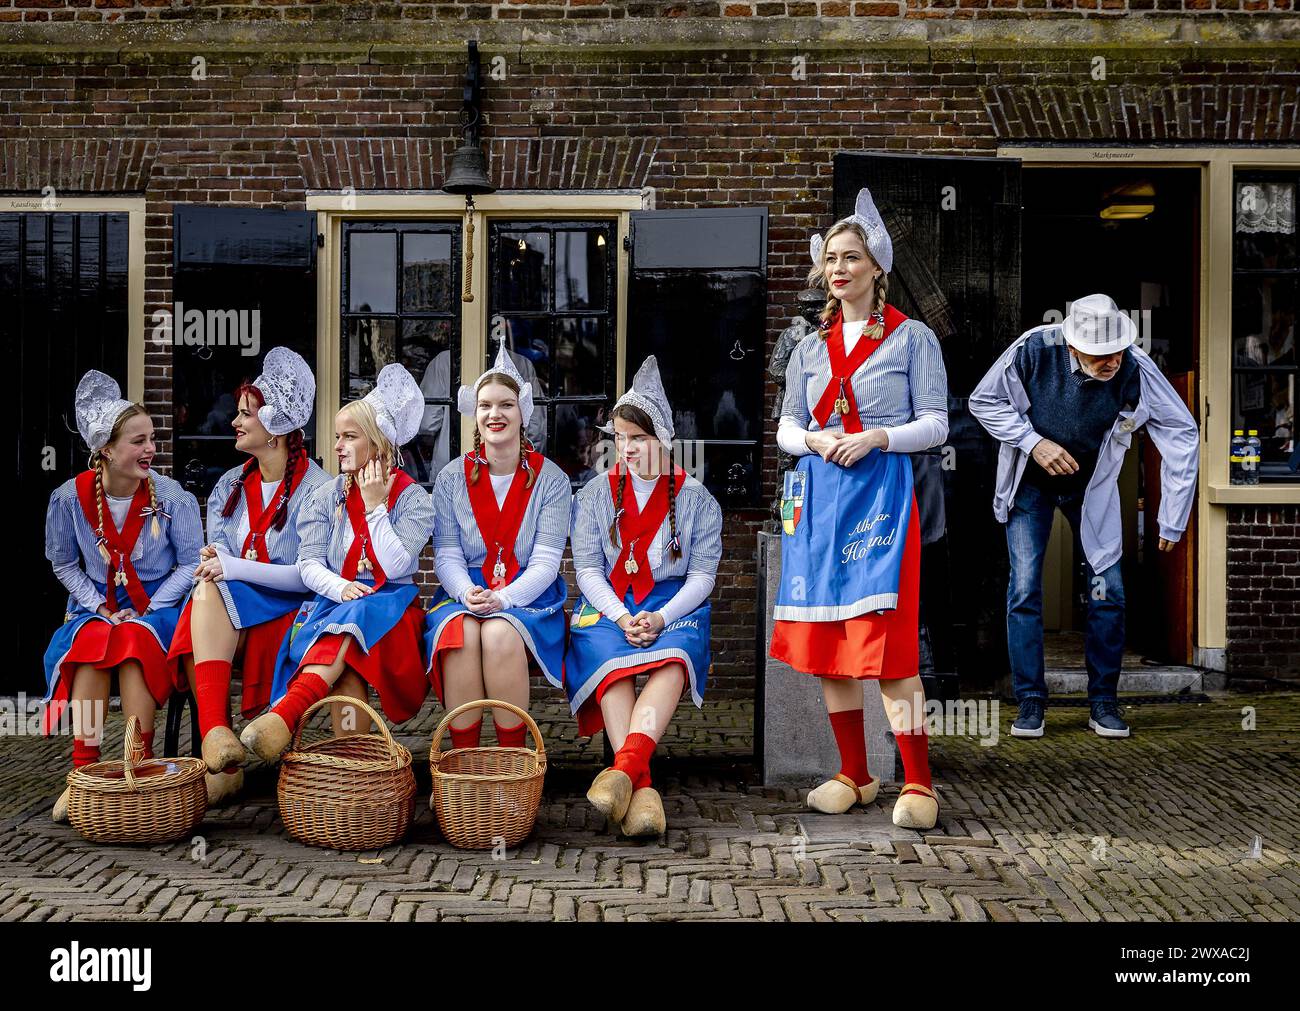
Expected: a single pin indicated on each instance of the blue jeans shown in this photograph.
(1029, 525)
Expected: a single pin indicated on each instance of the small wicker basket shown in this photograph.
(137, 800)
(486, 796)
(347, 793)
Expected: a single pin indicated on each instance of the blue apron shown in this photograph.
(844, 533)
(540, 625)
(249, 604)
(162, 623)
(597, 646)
(367, 619)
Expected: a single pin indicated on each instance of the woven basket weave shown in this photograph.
(486, 796)
(347, 793)
(137, 800)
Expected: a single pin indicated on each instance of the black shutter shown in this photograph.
(957, 269)
(205, 236)
(697, 300)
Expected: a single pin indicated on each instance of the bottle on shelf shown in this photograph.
(1254, 455)
(1237, 457)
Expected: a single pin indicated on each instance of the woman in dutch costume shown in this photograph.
(861, 393)
(501, 519)
(124, 541)
(647, 539)
(361, 536)
(247, 586)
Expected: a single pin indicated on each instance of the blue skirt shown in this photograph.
(598, 648)
(367, 619)
(540, 625)
(249, 604)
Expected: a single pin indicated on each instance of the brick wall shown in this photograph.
(606, 10)
(1264, 591)
(710, 128)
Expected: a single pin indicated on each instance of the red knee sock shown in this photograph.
(212, 694)
(914, 747)
(851, 739)
(83, 753)
(147, 740)
(307, 689)
(467, 737)
(511, 737)
(634, 759)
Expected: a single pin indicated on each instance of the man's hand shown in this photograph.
(1167, 545)
(1053, 458)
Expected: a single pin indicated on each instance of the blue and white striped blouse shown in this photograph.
(325, 533)
(69, 537)
(282, 545)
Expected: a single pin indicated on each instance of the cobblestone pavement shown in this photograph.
(1162, 826)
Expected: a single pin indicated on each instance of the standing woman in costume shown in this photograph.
(501, 518)
(361, 537)
(124, 541)
(646, 544)
(248, 587)
(861, 393)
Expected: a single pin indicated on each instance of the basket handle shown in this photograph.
(486, 704)
(329, 699)
(132, 749)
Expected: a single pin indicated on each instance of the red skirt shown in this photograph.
(394, 667)
(105, 647)
(875, 645)
(453, 638)
(255, 659)
(590, 718)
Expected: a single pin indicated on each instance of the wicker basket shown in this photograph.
(347, 793)
(137, 800)
(483, 796)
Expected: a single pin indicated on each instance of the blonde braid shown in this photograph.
(523, 458)
(478, 441)
(155, 528)
(882, 289)
(99, 508)
(347, 487)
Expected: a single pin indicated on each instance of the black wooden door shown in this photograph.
(697, 299)
(63, 310)
(955, 226)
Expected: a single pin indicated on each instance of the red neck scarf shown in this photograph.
(120, 544)
(499, 526)
(361, 556)
(259, 516)
(636, 529)
(838, 397)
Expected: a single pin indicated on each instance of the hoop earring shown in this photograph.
(271, 442)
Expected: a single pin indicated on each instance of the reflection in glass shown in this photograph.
(579, 358)
(426, 272)
(578, 443)
(372, 272)
(371, 344)
(525, 269)
(580, 269)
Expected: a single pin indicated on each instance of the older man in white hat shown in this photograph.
(1064, 401)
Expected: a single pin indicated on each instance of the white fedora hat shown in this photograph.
(1096, 326)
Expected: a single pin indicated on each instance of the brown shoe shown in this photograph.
(222, 786)
(267, 737)
(60, 812)
(221, 748)
(839, 793)
(645, 814)
(610, 793)
(917, 807)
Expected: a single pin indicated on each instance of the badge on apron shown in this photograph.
(792, 493)
(585, 616)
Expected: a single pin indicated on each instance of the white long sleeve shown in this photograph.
(692, 594)
(543, 565)
(791, 436)
(921, 433)
(452, 571)
(320, 579)
(77, 583)
(390, 553)
(599, 594)
(268, 574)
